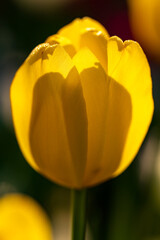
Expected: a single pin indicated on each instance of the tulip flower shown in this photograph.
(22, 218)
(145, 22)
(82, 104)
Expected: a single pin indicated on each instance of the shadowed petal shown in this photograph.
(46, 59)
(109, 114)
(128, 65)
(58, 130)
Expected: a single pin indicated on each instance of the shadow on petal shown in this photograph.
(58, 128)
(112, 115)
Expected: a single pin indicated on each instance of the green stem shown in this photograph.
(78, 214)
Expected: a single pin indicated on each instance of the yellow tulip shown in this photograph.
(82, 104)
(22, 218)
(145, 23)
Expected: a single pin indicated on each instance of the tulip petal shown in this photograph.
(96, 42)
(64, 42)
(22, 89)
(46, 59)
(109, 114)
(74, 30)
(128, 65)
(60, 148)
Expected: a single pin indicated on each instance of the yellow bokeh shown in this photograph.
(22, 218)
(145, 23)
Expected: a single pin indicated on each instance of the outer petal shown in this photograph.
(109, 115)
(49, 115)
(23, 218)
(128, 65)
(58, 132)
(21, 98)
(74, 30)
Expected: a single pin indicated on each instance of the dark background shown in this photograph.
(127, 207)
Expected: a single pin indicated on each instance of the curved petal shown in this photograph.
(58, 130)
(74, 30)
(128, 65)
(64, 42)
(44, 64)
(109, 114)
(23, 218)
(96, 42)
(21, 92)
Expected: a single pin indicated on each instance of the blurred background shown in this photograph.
(127, 207)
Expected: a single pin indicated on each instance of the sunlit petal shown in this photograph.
(129, 67)
(74, 30)
(64, 42)
(42, 74)
(96, 41)
(109, 115)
